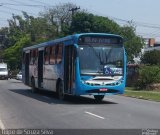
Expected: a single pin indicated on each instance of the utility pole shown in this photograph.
(73, 10)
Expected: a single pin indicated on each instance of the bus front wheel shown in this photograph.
(98, 98)
(61, 91)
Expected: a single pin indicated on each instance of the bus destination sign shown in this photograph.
(99, 40)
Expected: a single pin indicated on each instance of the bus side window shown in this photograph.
(52, 55)
(46, 55)
(33, 57)
(59, 54)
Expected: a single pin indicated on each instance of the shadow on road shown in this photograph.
(15, 81)
(51, 98)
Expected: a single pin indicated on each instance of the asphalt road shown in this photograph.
(19, 108)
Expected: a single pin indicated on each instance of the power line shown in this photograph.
(6, 12)
(27, 5)
(148, 24)
(140, 24)
(3, 20)
(147, 34)
(17, 1)
(19, 10)
(135, 23)
(40, 2)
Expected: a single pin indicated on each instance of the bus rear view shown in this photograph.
(101, 66)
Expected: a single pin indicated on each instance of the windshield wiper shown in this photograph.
(97, 54)
(101, 62)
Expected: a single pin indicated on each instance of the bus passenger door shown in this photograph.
(69, 69)
(40, 68)
(26, 73)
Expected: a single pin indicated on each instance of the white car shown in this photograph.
(3, 71)
(19, 76)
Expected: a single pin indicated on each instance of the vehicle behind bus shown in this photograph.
(81, 64)
(3, 71)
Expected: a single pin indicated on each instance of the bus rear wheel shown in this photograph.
(61, 91)
(34, 89)
(98, 98)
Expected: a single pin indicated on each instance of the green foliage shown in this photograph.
(147, 76)
(151, 57)
(23, 31)
(81, 22)
(56, 22)
(148, 95)
(60, 17)
(133, 43)
(13, 54)
(85, 22)
(19, 26)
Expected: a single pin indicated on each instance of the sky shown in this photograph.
(144, 14)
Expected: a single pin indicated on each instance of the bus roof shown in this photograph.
(74, 38)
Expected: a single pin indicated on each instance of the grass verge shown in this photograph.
(147, 95)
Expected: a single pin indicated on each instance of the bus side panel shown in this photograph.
(50, 76)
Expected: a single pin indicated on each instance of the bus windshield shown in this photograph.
(104, 60)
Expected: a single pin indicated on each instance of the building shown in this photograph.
(150, 44)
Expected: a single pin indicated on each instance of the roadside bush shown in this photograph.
(148, 75)
(151, 57)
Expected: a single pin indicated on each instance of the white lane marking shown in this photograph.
(94, 115)
(1, 125)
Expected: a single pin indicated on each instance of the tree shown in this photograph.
(133, 43)
(28, 25)
(59, 16)
(86, 22)
(59, 21)
(13, 54)
(24, 30)
(82, 22)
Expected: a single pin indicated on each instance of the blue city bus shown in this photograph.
(80, 64)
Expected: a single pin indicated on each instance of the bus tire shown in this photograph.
(98, 98)
(34, 89)
(61, 91)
